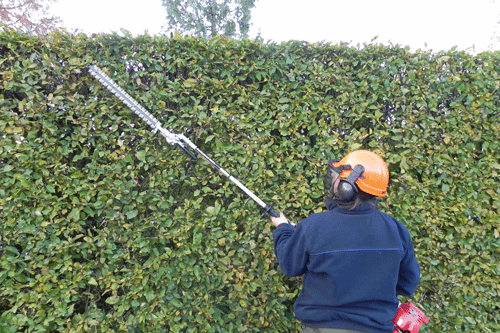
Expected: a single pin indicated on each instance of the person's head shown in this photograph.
(359, 177)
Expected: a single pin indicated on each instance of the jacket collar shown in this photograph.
(337, 205)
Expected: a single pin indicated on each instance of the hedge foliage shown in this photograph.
(106, 228)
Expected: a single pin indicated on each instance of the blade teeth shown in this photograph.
(125, 97)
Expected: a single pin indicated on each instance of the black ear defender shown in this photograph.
(347, 189)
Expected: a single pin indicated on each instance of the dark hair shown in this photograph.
(360, 198)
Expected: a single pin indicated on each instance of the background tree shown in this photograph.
(207, 18)
(495, 38)
(29, 16)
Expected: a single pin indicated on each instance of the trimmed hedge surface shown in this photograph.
(107, 228)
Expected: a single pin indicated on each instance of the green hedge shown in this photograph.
(107, 228)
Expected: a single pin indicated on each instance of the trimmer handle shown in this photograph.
(190, 154)
(271, 211)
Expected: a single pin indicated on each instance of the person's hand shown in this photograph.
(279, 220)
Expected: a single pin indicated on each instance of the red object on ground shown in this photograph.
(409, 319)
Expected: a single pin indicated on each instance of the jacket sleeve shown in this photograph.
(290, 249)
(409, 271)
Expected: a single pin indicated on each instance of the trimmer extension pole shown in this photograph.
(174, 139)
(268, 209)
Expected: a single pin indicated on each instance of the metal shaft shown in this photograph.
(225, 173)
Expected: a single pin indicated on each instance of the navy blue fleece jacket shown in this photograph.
(354, 263)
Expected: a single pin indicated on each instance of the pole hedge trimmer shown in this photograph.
(174, 139)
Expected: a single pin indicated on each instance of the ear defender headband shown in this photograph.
(347, 189)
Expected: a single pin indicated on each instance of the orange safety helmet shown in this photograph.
(374, 178)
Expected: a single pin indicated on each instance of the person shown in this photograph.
(355, 259)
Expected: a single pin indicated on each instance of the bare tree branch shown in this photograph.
(29, 16)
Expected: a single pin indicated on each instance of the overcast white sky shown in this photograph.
(441, 24)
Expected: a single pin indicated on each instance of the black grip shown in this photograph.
(271, 211)
(187, 151)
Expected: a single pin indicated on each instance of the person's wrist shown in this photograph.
(277, 221)
(281, 222)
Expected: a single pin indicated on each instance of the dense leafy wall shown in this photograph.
(106, 228)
